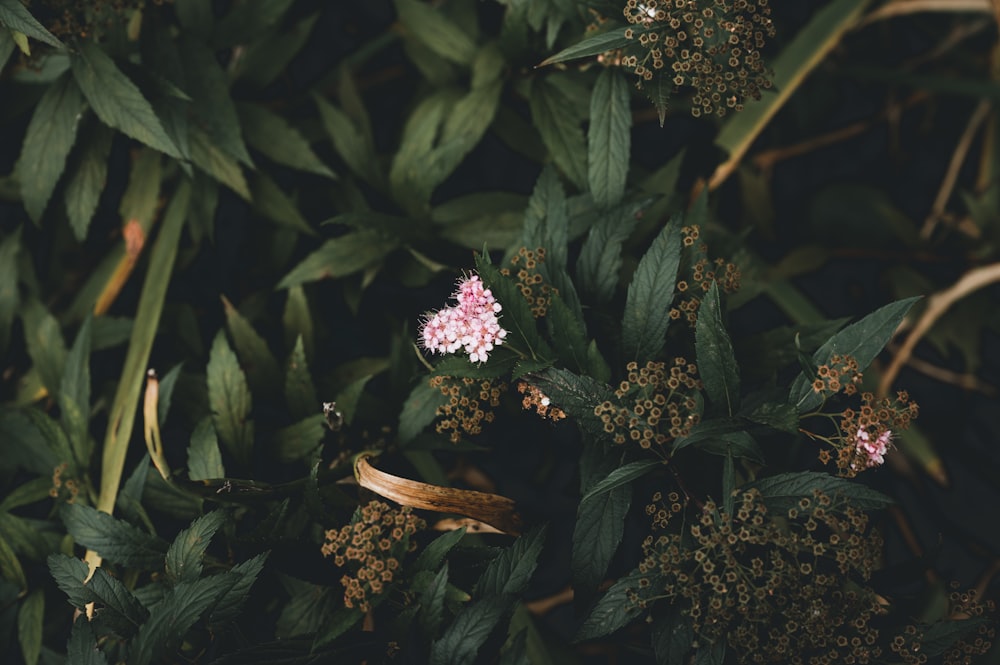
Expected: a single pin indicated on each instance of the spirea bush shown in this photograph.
(372, 333)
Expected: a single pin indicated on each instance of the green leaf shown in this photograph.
(600, 523)
(304, 611)
(570, 331)
(339, 257)
(262, 370)
(862, 340)
(493, 218)
(212, 107)
(247, 21)
(27, 493)
(231, 603)
(141, 199)
(204, 458)
(113, 539)
(462, 639)
(230, 400)
(942, 635)
(300, 394)
(278, 140)
(45, 344)
(6, 47)
(647, 306)
(510, 572)
(82, 646)
(545, 220)
(74, 394)
(83, 190)
(267, 58)
(272, 202)
(556, 120)
(47, 142)
(621, 476)
(168, 382)
(16, 17)
(29, 626)
(300, 441)
(174, 615)
(593, 45)
(354, 145)
(433, 29)
(713, 653)
(183, 560)
(600, 257)
(432, 555)
(613, 611)
(10, 566)
(784, 490)
(214, 162)
(516, 317)
(608, 138)
(10, 297)
(297, 321)
(119, 607)
(432, 602)
(716, 363)
(779, 415)
(337, 623)
(672, 637)
(54, 438)
(116, 100)
(576, 395)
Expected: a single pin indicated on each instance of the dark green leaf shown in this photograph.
(737, 444)
(576, 395)
(493, 218)
(462, 639)
(672, 637)
(516, 317)
(784, 490)
(204, 458)
(713, 653)
(304, 611)
(52, 436)
(231, 603)
(120, 609)
(45, 344)
(277, 139)
(621, 476)
(171, 618)
(613, 611)
(339, 257)
(261, 368)
(552, 112)
(16, 16)
(569, 333)
(297, 321)
(83, 191)
(608, 138)
(593, 45)
(82, 646)
(337, 623)
(514, 652)
(112, 538)
(29, 626)
(436, 31)
(510, 572)
(230, 400)
(10, 567)
(647, 306)
(267, 58)
(710, 429)
(47, 142)
(600, 523)
(300, 441)
(942, 635)
(716, 363)
(419, 410)
(862, 340)
(141, 199)
(213, 108)
(216, 163)
(74, 393)
(167, 384)
(183, 561)
(272, 202)
(116, 100)
(545, 220)
(432, 602)
(300, 394)
(10, 296)
(248, 20)
(600, 257)
(432, 555)
(6, 47)
(354, 145)
(779, 415)
(26, 493)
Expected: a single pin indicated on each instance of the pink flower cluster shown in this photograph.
(873, 451)
(471, 325)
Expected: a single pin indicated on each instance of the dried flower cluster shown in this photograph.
(471, 326)
(839, 373)
(68, 488)
(530, 281)
(711, 46)
(655, 405)
(372, 546)
(700, 275)
(538, 401)
(780, 589)
(465, 411)
(866, 434)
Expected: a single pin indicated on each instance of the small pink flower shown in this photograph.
(872, 451)
(472, 325)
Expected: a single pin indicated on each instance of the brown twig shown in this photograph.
(979, 116)
(937, 305)
(903, 7)
(966, 381)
